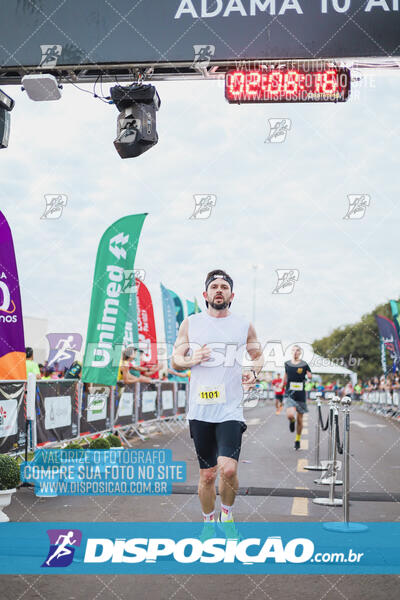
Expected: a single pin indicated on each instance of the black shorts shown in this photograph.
(279, 397)
(216, 439)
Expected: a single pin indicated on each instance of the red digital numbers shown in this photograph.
(284, 85)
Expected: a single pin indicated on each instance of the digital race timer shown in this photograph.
(330, 84)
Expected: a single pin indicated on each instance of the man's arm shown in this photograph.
(180, 361)
(284, 379)
(177, 373)
(255, 352)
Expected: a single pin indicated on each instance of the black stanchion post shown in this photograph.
(317, 463)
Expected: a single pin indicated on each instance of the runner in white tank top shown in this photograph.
(212, 344)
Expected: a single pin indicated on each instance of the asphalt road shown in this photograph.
(268, 460)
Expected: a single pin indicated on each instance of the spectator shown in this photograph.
(48, 372)
(348, 389)
(357, 391)
(277, 384)
(129, 372)
(74, 372)
(31, 365)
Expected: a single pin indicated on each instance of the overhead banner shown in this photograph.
(109, 307)
(12, 344)
(101, 33)
(389, 337)
(146, 326)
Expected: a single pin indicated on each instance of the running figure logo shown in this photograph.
(278, 129)
(63, 347)
(61, 551)
(50, 54)
(203, 205)
(286, 280)
(202, 55)
(357, 206)
(54, 206)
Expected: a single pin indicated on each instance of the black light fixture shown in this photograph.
(6, 105)
(136, 125)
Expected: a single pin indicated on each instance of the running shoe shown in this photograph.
(291, 425)
(229, 529)
(208, 531)
(297, 445)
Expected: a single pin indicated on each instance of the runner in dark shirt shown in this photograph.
(296, 372)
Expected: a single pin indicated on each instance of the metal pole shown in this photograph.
(331, 472)
(324, 478)
(330, 428)
(346, 451)
(317, 464)
(333, 453)
(346, 526)
(331, 500)
(112, 408)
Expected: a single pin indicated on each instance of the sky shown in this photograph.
(278, 205)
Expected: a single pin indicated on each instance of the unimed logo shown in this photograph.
(191, 550)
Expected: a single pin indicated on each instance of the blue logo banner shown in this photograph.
(250, 548)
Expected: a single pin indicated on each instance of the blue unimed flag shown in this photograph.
(178, 309)
(192, 307)
(169, 319)
(394, 305)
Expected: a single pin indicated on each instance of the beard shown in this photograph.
(219, 305)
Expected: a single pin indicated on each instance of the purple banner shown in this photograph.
(12, 344)
(389, 336)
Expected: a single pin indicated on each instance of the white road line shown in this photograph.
(301, 463)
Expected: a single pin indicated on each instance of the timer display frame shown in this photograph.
(290, 84)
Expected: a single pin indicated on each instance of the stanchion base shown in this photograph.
(328, 481)
(345, 527)
(314, 468)
(328, 502)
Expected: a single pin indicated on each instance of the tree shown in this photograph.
(356, 346)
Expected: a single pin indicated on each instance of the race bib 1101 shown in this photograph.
(211, 394)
